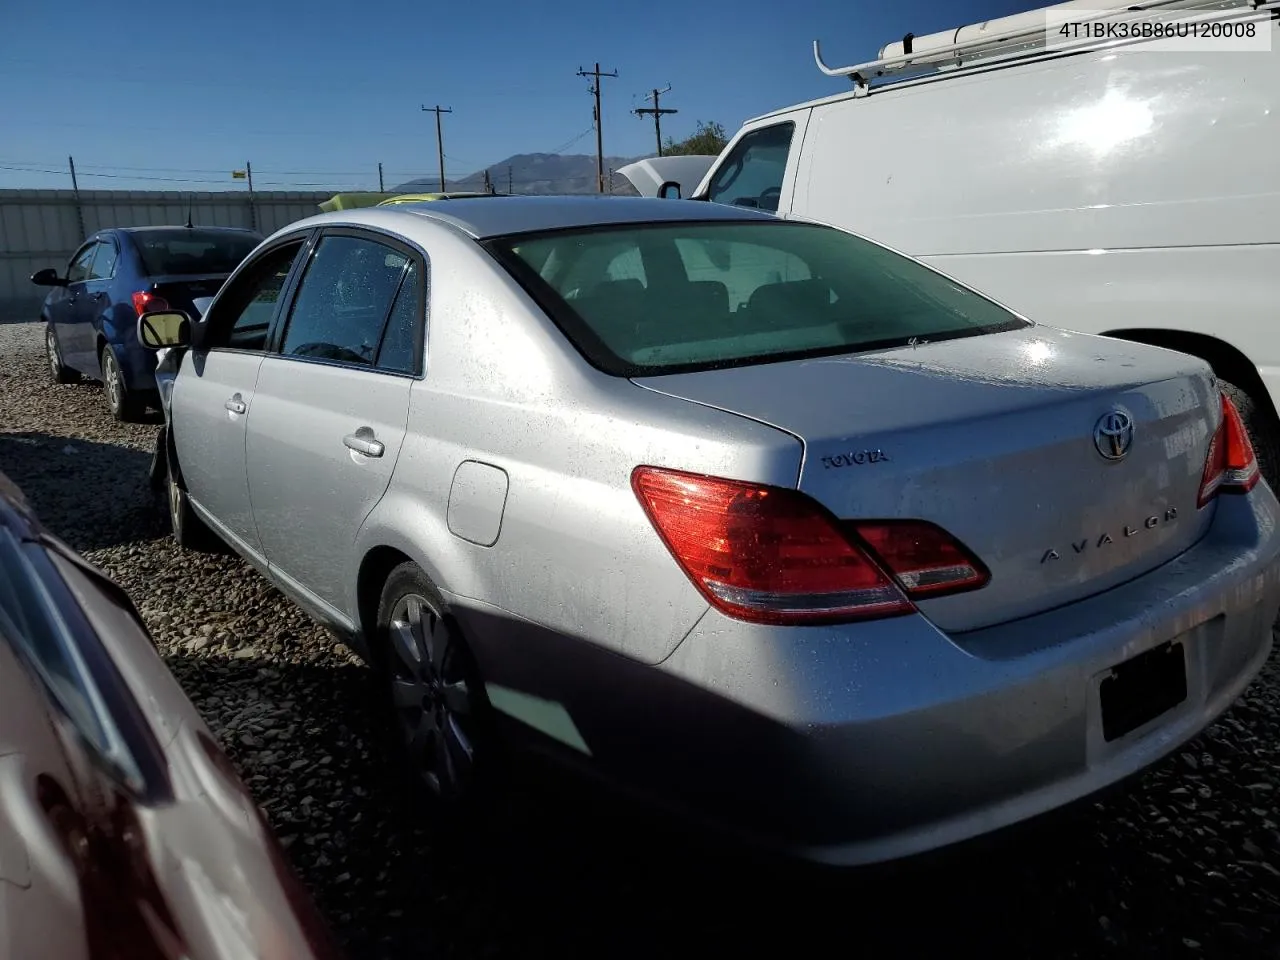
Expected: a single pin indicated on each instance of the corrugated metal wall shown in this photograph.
(43, 228)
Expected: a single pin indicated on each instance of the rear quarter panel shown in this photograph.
(575, 551)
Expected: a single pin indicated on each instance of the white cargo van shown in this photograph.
(1112, 187)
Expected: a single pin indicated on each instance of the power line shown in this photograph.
(466, 163)
(595, 89)
(205, 175)
(479, 167)
(29, 169)
(569, 143)
(117, 168)
(392, 175)
(513, 182)
(658, 111)
(21, 70)
(337, 180)
(335, 185)
(110, 176)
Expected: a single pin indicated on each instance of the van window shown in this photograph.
(751, 175)
(734, 292)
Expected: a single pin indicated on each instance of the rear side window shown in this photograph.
(104, 262)
(752, 173)
(190, 252)
(401, 350)
(343, 301)
(732, 293)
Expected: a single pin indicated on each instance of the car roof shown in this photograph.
(415, 197)
(183, 226)
(487, 217)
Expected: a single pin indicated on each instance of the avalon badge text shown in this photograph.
(1130, 530)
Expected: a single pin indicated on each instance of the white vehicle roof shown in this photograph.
(994, 43)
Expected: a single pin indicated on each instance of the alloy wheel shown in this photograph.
(175, 503)
(429, 693)
(51, 348)
(112, 375)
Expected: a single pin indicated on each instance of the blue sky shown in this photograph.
(316, 94)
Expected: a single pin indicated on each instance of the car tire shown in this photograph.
(125, 405)
(60, 372)
(158, 469)
(1263, 431)
(434, 700)
(189, 531)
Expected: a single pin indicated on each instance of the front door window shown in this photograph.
(752, 174)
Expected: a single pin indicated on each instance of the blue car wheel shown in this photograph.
(60, 372)
(125, 406)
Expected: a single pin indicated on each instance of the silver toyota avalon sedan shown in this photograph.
(756, 518)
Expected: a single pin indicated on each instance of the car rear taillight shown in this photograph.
(772, 555)
(926, 559)
(1231, 466)
(144, 301)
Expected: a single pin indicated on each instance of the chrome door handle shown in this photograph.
(362, 441)
(236, 405)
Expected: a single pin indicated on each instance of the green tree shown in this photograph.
(707, 139)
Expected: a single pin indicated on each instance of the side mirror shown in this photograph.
(48, 277)
(670, 190)
(164, 328)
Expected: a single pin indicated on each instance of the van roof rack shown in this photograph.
(1020, 35)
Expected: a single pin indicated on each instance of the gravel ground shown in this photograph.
(1184, 861)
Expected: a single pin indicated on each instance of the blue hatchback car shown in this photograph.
(91, 314)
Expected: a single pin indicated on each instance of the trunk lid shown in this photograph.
(993, 438)
(180, 290)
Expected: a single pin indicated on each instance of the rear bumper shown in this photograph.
(859, 744)
(915, 740)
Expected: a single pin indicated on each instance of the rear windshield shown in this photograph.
(675, 297)
(192, 251)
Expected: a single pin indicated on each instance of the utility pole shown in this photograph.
(595, 89)
(510, 191)
(657, 110)
(253, 207)
(381, 188)
(75, 188)
(437, 110)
